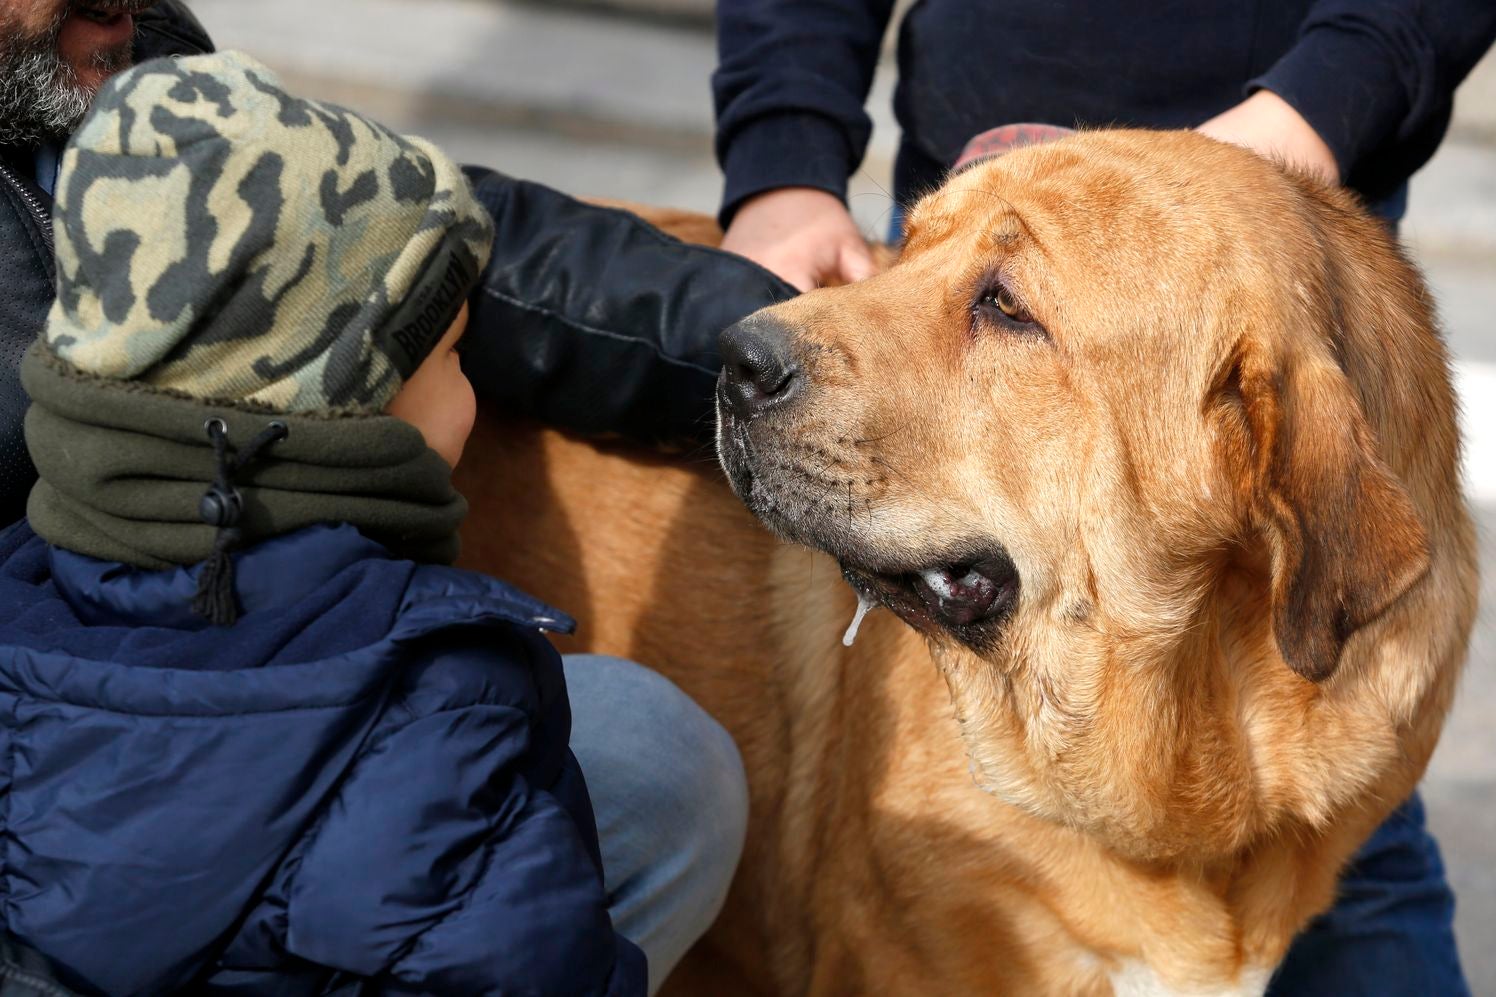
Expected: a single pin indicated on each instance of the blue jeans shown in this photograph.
(1391, 932)
(671, 802)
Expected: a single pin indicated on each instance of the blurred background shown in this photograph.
(611, 98)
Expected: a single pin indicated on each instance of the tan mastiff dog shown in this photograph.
(1150, 449)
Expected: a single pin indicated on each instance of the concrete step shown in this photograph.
(566, 70)
(700, 12)
(504, 63)
(1475, 102)
(1452, 202)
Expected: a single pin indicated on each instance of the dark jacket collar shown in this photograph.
(276, 576)
(279, 572)
(330, 613)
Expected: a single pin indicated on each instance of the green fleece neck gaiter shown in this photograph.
(124, 468)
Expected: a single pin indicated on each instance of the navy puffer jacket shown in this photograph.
(362, 786)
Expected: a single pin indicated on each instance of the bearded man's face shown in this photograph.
(54, 56)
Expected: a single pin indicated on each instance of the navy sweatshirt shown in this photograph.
(1375, 78)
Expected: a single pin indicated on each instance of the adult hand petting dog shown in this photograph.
(807, 236)
(804, 235)
(1269, 126)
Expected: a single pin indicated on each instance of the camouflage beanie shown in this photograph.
(220, 238)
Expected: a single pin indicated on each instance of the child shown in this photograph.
(250, 744)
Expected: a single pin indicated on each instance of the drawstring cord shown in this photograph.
(222, 506)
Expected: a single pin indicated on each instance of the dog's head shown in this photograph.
(1128, 432)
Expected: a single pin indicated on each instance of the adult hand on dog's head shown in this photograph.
(804, 235)
(1269, 126)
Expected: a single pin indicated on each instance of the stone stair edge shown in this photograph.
(1453, 210)
(1474, 118)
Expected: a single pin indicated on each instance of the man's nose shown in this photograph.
(758, 371)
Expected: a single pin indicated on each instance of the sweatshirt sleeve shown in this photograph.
(1365, 73)
(440, 868)
(790, 88)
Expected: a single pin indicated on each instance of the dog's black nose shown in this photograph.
(757, 369)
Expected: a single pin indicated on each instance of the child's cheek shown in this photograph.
(465, 414)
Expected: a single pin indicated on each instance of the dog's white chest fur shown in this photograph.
(1137, 979)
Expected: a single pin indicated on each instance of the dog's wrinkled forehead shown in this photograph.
(1027, 191)
(1155, 219)
(1085, 178)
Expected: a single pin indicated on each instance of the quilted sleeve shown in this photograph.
(438, 869)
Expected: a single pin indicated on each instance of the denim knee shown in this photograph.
(1391, 930)
(671, 800)
(663, 745)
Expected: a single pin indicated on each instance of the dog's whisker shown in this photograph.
(827, 490)
(868, 176)
(883, 463)
(876, 439)
(883, 191)
(993, 193)
(818, 472)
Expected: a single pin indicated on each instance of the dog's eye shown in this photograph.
(1000, 303)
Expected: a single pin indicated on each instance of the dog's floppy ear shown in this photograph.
(1343, 537)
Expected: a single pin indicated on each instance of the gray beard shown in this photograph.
(41, 98)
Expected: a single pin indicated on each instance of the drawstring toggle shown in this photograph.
(222, 507)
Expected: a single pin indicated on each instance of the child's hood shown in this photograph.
(325, 610)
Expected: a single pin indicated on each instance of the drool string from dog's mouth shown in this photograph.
(864, 606)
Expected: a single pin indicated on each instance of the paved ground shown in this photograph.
(605, 104)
